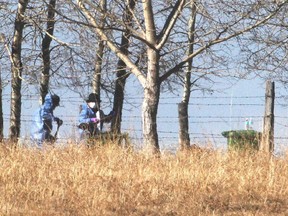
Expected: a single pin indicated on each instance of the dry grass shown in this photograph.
(111, 181)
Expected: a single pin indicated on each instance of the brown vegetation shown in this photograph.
(111, 181)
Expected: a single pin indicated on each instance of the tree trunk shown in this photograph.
(150, 104)
(184, 139)
(121, 72)
(2, 40)
(44, 85)
(152, 84)
(16, 69)
(119, 98)
(149, 118)
(96, 81)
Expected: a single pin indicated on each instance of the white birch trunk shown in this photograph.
(150, 104)
(184, 138)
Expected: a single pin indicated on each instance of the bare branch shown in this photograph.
(171, 20)
(218, 40)
(134, 69)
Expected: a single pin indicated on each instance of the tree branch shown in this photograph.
(171, 20)
(219, 40)
(134, 69)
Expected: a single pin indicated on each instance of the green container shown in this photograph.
(242, 139)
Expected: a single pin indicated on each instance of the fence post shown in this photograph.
(267, 141)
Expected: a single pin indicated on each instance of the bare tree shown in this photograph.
(184, 138)
(5, 47)
(16, 70)
(96, 82)
(265, 49)
(7, 18)
(122, 74)
(2, 40)
(156, 37)
(44, 84)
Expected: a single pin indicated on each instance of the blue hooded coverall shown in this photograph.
(85, 116)
(40, 131)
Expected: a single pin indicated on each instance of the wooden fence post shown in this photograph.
(267, 141)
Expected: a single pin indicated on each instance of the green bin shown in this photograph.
(242, 139)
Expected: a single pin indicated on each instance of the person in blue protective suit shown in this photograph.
(42, 123)
(91, 117)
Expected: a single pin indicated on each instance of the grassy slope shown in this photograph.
(111, 181)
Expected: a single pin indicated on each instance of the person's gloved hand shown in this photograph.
(59, 121)
(94, 120)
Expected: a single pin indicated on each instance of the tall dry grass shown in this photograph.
(112, 181)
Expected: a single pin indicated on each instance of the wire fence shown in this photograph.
(208, 117)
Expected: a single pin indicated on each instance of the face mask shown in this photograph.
(92, 105)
